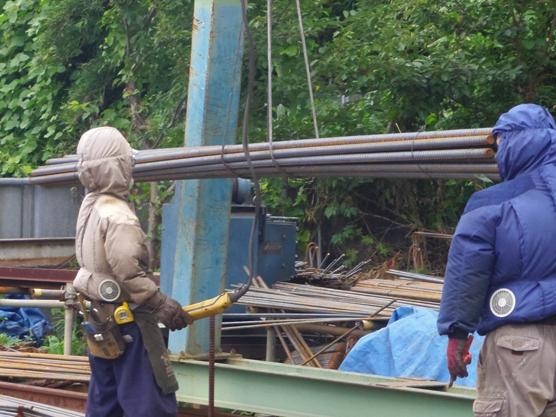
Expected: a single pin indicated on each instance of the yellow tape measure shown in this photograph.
(123, 314)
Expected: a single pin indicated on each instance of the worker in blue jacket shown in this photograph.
(501, 274)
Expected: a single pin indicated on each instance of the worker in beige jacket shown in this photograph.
(131, 370)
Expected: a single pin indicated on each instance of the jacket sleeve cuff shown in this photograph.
(458, 334)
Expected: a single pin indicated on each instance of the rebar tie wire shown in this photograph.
(413, 156)
(225, 164)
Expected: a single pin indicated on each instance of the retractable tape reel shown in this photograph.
(502, 302)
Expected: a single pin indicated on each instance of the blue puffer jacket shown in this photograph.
(506, 238)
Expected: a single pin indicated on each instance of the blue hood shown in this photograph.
(527, 140)
(507, 236)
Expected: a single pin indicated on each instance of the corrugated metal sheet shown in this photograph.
(37, 252)
(30, 211)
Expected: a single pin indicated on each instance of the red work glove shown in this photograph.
(459, 357)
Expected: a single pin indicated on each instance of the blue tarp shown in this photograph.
(409, 346)
(21, 322)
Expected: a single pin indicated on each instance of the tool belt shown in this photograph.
(104, 338)
(103, 323)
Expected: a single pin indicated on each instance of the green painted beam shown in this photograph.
(295, 391)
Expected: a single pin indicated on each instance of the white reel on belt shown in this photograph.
(109, 290)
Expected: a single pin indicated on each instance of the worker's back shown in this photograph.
(504, 244)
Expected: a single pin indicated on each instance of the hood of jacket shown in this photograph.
(105, 162)
(527, 140)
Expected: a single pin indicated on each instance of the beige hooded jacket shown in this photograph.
(109, 241)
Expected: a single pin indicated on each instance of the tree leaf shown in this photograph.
(290, 51)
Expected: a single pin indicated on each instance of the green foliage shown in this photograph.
(7, 341)
(399, 66)
(67, 66)
(378, 66)
(54, 344)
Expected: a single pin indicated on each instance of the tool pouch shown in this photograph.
(104, 338)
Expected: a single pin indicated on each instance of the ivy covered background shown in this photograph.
(377, 67)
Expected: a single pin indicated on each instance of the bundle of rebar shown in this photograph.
(311, 299)
(413, 276)
(453, 154)
(44, 366)
(402, 290)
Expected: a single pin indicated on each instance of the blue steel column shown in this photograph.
(204, 205)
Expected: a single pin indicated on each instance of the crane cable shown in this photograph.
(240, 292)
(237, 294)
(307, 69)
(269, 132)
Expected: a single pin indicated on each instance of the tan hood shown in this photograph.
(109, 242)
(105, 162)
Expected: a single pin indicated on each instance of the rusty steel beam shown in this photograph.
(35, 277)
(69, 400)
(200, 412)
(77, 401)
(43, 278)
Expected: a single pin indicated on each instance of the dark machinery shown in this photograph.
(274, 251)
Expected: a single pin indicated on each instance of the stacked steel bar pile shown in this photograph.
(455, 154)
(292, 334)
(360, 300)
(44, 366)
(412, 276)
(401, 290)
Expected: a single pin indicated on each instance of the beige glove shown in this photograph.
(169, 311)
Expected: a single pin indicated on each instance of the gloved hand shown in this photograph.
(459, 357)
(169, 312)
